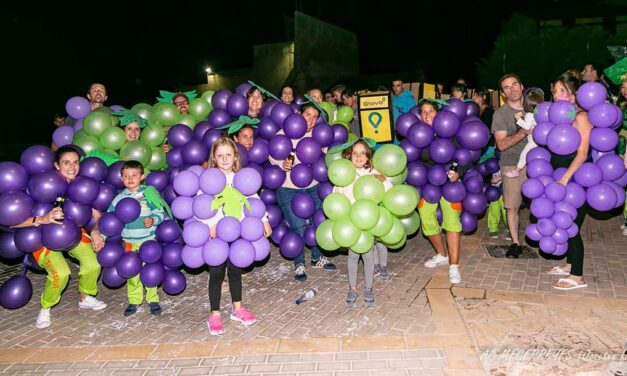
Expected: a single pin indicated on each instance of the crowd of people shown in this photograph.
(511, 125)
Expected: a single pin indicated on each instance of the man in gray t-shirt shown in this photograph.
(511, 140)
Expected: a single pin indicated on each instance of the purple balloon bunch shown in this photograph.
(157, 261)
(599, 183)
(456, 122)
(241, 242)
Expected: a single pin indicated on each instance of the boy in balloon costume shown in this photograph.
(142, 229)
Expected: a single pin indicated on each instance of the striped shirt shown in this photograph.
(136, 232)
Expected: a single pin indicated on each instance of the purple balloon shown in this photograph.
(588, 175)
(94, 168)
(171, 256)
(268, 196)
(157, 179)
(63, 135)
(533, 188)
(195, 233)
(473, 135)
(319, 171)
(469, 221)
(237, 105)
(412, 152)
(259, 152)
(493, 193)
(212, 181)
(128, 210)
(174, 157)
(601, 197)
(308, 150)
(604, 115)
(13, 177)
(567, 208)
(542, 207)
(113, 174)
(83, 190)
(247, 181)
(106, 194)
(541, 113)
(27, 239)
(340, 134)
(179, 135)
(291, 245)
(220, 98)
(173, 282)
(215, 252)
(541, 132)
(454, 192)
(562, 112)
(16, 292)
(150, 251)
(555, 192)
(63, 237)
(110, 225)
(168, 231)
(532, 232)
(457, 107)
(194, 152)
(563, 139)
(416, 174)
(80, 214)
(301, 175)
(241, 253)
(186, 183)
(575, 194)
(243, 88)
(492, 165)
(267, 128)
(110, 254)
(228, 229)
(8, 247)
(309, 236)
(539, 167)
(538, 153)
(294, 126)
(446, 124)
(603, 139)
(437, 175)
(37, 159)
(45, 187)
(546, 227)
(558, 173)
(548, 244)
(612, 166)
(475, 203)
(252, 229)
(151, 275)
(562, 220)
(275, 216)
(591, 94)
(474, 184)
(324, 189)
(199, 206)
(262, 249)
(201, 128)
(129, 265)
(622, 181)
(280, 147)
(303, 205)
(472, 109)
(620, 193)
(442, 150)
(560, 249)
(192, 257)
(573, 230)
(77, 107)
(15, 207)
(319, 217)
(431, 193)
(111, 278)
(257, 208)
(421, 135)
(280, 112)
(273, 177)
(404, 122)
(279, 231)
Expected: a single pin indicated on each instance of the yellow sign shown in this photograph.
(376, 117)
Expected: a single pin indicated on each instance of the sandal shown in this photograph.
(558, 270)
(572, 284)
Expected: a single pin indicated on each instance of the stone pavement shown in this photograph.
(419, 326)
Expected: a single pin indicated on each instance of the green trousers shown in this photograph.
(59, 272)
(135, 288)
(496, 211)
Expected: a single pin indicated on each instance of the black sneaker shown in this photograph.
(323, 263)
(513, 251)
(155, 309)
(130, 310)
(300, 274)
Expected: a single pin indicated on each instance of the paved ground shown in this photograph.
(419, 324)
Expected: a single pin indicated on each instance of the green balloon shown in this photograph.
(207, 96)
(400, 178)
(369, 187)
(188, 120)
(384, 225)
(390, 160)
(113, 138)
(199, 108)
(144, 111)
(411, 222)
(330, 157)
(345, 233)
(87, 143)
(397, 245)
(341, 172)
(329, 108)
(153, 135)
(364, 214)
(157, 158)
(401, 200)
(336, 206)
(345, 114)
(104, 109)
(96, 122)
(396, 232)
(364, 243)
(136, 151)
(78, 135)
(324, 236)
(167, 114)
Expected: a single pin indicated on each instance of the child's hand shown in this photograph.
(453, 176)
(380, 177)
(496, 179)
(212, 232)
(97, 240)
(518, 116)
(267, 230)
(148, 222)
(287, 164)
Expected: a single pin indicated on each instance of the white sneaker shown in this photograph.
(92, 303)
(453, 274)
(43, 319)
(436, 260)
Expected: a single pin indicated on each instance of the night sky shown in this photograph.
(136, 48)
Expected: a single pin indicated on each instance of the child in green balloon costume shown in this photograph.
(359, 152)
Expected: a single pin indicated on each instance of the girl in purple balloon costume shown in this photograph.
(533, 97)
(224, 155)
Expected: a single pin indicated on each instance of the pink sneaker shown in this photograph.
(512, 174)
(215, 325)
(244, 316)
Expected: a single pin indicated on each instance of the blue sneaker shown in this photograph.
(323, 263)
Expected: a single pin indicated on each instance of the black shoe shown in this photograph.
(513, 251)
(130, 310)
(155, 309)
